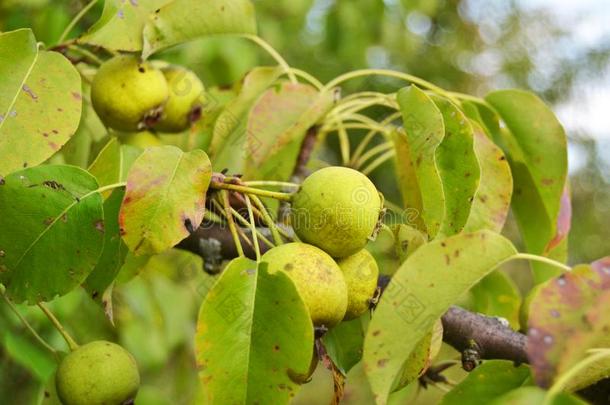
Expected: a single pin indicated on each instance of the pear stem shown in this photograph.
(249, 190)
(232, 227)
(60, 328)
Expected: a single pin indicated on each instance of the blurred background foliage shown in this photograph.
(471, 46)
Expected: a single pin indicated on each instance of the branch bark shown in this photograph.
(493, 339)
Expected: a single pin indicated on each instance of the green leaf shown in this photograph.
(418, 172)
(165, 196)
(423, 288)
(112, 164)
(28, 353)
(487, 382)
(277, 125)
(40, 101)
(183, 20)
(492, 199)
(107, 165)
(52, 231)
(254, 329)
(536, 147)
(535, 395)
(113, 255)
(344, 342)
(568, 316)
(497, 295)
(228, 148)
(407, 240)
(48, 393)
(121, 24)
(458, 168)
(421, 357)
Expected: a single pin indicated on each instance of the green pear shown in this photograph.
(98, 373)
(185, 100)
(129, 95)
(336, 209)
(141, 140)
(317, 277)
(360, 271)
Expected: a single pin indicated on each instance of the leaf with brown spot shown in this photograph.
(165, 186)
(113, 255)
(277, 124)
(420, 291)
(536, 147)
(418, 171)
(458, 168)
(49, 248)
(245, 316)
(568, 316)
(34, 84)
(492, 199)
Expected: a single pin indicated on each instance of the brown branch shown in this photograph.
(307, 146)
(488, 336)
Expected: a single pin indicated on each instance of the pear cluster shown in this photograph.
(334, 214)
(131, 95)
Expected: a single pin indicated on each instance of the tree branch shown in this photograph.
(491, 338)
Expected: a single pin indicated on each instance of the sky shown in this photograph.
(588, 110)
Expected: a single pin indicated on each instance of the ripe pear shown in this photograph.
(317, 277)
(336, 209)
(129, 95)
(98, 373)
(360, 271)
(184, 104)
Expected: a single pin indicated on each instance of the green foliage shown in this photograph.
(253, 327)
(165, 193)
(82, 205)
(40, 102)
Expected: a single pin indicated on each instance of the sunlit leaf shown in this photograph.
(253, 328)
(421, 357)
(418, 171)
(184, 20)
(487, 382)
(229, 148)
(536, 146)
(422, 289)
(277, 125)
(40, 101)
(121, 24)
(165, 197)
(492, 199)
(458, 168)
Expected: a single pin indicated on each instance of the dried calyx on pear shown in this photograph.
(185, 101)
(128, 94)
